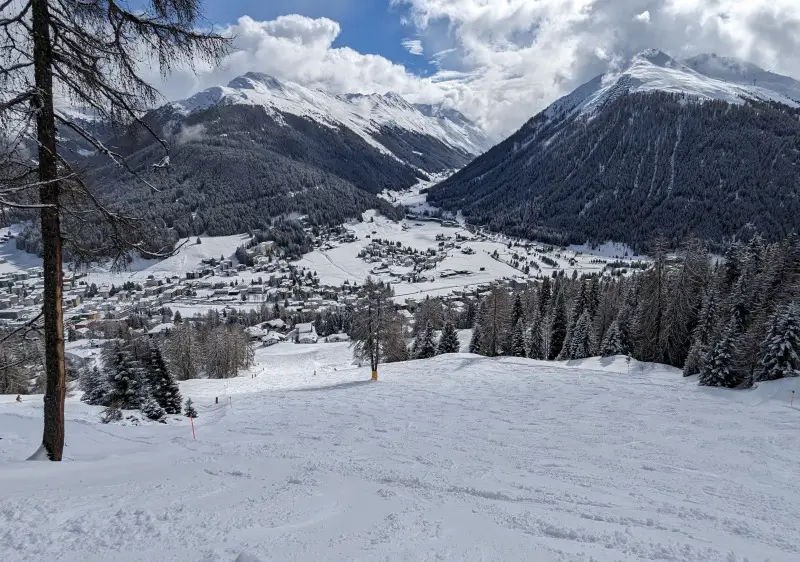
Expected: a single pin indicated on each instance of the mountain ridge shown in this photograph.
(657, 148)
(364, 114)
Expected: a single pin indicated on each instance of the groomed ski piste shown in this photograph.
(459, 457)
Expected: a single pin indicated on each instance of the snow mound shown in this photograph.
(40, 454)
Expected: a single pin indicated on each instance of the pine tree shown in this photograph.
(475, 342)
(648, 322)
(95, 387)
(718, 368)
(536, 342)
(177, 319)
(124, 380)
(613, 343)
(448, 342)
(684, 301)
(558, 330)
(153, 411)
(374, 323)
(701, 336)
(493, 321)
(393, 343)
(427, 347)
(545, 294)
(513, 320)
(581, 343)
(163, 387)
(536, 345)
(188, 409)
(780, 350)
(517, 348)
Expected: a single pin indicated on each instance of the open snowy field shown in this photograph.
(454, 458)
(342, 263)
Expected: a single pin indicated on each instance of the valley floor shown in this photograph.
(454, 458)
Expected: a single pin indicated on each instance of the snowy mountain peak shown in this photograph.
(700, 78)
(256, 80)
(367, 115)
(744, 73)
(656, 57)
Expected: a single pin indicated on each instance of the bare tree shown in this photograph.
(375, 330)
(87, 51)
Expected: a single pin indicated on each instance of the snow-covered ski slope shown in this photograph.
(455, 458)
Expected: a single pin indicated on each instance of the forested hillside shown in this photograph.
(236, 168)
(257, 151)
(662, 147)
(646, 164)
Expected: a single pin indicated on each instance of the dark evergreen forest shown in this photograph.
(645, 164)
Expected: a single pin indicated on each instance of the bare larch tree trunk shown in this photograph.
(55, 390)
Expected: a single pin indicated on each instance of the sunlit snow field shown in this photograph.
(455, 458)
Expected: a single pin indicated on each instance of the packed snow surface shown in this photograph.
(455, 458)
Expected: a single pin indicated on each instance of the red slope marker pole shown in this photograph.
(191, 420)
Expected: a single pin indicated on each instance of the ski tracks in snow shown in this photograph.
(455, 458)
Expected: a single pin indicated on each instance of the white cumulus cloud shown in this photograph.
(502, 61)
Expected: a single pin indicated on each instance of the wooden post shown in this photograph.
(191, 420)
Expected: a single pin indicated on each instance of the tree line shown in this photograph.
(733, 321)
(140, 372)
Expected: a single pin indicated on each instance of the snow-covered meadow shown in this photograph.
(341, 263)
(456, 458)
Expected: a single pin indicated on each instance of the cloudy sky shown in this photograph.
(498, 61)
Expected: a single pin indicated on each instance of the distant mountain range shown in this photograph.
(258, 149)
(708, 146)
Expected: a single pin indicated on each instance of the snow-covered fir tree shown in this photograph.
(152, 410)
(718, 369)
(427, 345)
(476, 339)
(448, 341)
(780, 350)
(613, 343)
(514, 318)
(124, 380)
(95, 387)
(580, 345)
(518, 341)
(535, 340)
(701, 336)
(163, 386)
(188, 409)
